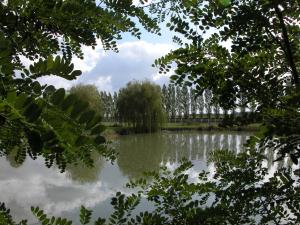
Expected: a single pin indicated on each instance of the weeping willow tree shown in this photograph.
(140, 105)
(90, 94)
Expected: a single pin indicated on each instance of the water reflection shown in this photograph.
(11, 158)
(140, 153)
(84, 174)
(62, 194)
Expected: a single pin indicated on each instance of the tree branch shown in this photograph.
(289, 54)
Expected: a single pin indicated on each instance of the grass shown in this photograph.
(113, 129)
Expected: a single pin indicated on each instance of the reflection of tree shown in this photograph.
(84, 174)
(270, 157)
(217, 142)
(11, 158)
(141, 153)
(225, 142)
(232, 143)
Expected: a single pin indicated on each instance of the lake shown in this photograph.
(62, 194)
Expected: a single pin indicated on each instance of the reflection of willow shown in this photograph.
(84, 174)
(140, 153)
(11, 158)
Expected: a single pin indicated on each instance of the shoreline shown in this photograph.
(114, 131)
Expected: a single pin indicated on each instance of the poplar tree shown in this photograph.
(193, 101)
(208, 103)
(172, 99)
(185, 97)
(200, 104)
(179, 101)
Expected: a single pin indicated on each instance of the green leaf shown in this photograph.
(98, 129)
(76, 73)
(35, 141)
(33, 112)
(87, 117)
(58, 96)
(100, 140)
(225, 3)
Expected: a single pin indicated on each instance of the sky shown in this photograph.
(110, 71)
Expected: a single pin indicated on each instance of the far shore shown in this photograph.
(114, 131)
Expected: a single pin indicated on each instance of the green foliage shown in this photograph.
(39, 120)
(244, 52)
(259, 57)
(6, 218)
(90, 94)
(140, 104)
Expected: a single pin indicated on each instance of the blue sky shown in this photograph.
(110, 71)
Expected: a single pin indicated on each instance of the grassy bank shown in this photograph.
(206, 126)
(114, 130)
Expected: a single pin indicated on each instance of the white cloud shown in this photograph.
(162, 78)
(58, 82)
(91, 57)
(103, 83)
(110, 71)
(133, 62)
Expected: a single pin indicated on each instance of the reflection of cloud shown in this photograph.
(34, 184)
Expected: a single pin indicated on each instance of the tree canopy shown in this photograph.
(235, 47)
(243, 51)
(48, 35)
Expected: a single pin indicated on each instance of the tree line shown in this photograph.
(178, 103)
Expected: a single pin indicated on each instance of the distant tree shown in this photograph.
(193, 101)
(252, 106)
(107, 104)
(179, 106)
(115, 110)
(110, 106)
(140, 104)
(166, 101)
(216, 108)
(233, 112)
(172, 99)
(200, 104)
(208, 103)
(242, 104)
(185, 96)
(90, 94)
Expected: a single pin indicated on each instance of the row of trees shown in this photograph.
(177, 103)
(138, 105)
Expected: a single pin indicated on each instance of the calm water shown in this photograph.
(32, 184)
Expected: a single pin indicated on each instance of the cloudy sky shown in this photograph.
(110, 71)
